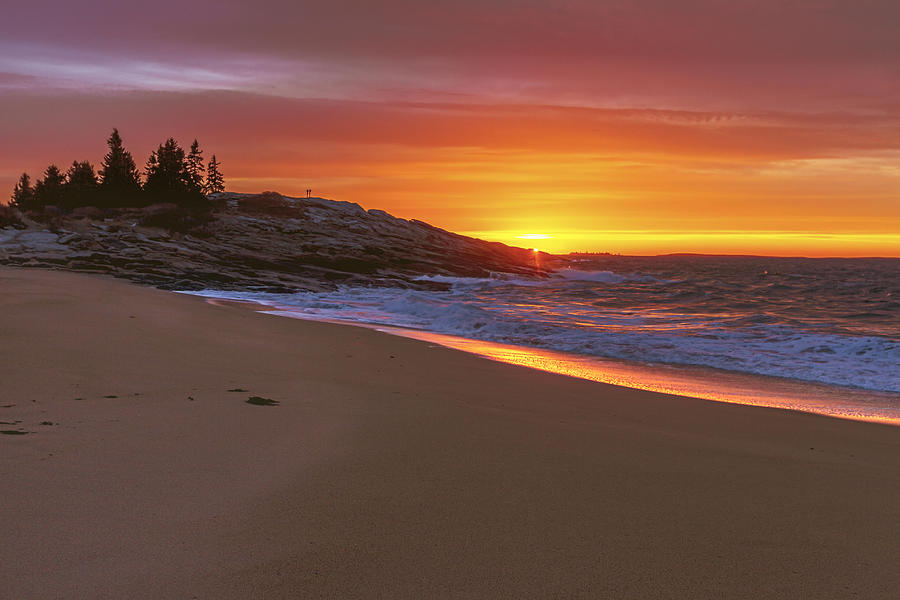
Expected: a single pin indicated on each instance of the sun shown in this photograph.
(534, 236)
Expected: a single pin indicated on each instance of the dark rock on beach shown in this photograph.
(263, 242)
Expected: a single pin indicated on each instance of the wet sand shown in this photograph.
(394, 468)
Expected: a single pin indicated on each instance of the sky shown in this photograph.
(634, 127)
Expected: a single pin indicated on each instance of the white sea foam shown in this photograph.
(585, 312)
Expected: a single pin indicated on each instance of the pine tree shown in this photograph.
(120, 180)
(81, 185)
(48, 191)
(151, 167)
(214, 181)
(167, 176)
(195, 169)
(23, 194)
(167, 171)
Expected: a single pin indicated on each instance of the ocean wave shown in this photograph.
(496, 279)
(554, 277)
(718, 316)
(603, 276)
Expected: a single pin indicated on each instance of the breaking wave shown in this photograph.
(836, 323)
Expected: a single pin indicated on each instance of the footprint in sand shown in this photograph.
(260, 401)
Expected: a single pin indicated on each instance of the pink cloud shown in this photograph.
(691, 54)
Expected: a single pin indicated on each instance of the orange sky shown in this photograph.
(629, 128)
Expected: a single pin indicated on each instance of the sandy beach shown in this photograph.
(392, 468)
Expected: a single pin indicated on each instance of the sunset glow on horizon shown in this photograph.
(650, 243)
(635, 128)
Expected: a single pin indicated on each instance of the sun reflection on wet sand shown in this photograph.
(695, 382)
(682, 380)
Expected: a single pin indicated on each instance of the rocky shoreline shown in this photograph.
(261, 242)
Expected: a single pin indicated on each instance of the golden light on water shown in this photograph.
(679, 380)
(693, 382)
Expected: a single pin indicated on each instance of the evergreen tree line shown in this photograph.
(170, 175)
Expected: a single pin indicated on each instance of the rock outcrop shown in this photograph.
(265, 243)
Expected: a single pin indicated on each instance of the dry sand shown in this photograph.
(395, 469)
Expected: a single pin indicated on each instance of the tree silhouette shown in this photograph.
(120, 180)
(166, 171)
(48, 191)
(170, 177)
(214, 181)
(151, 166)
(23, 194)
(81, 185)
(195, 168)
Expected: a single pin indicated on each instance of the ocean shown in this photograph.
(794, 329)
